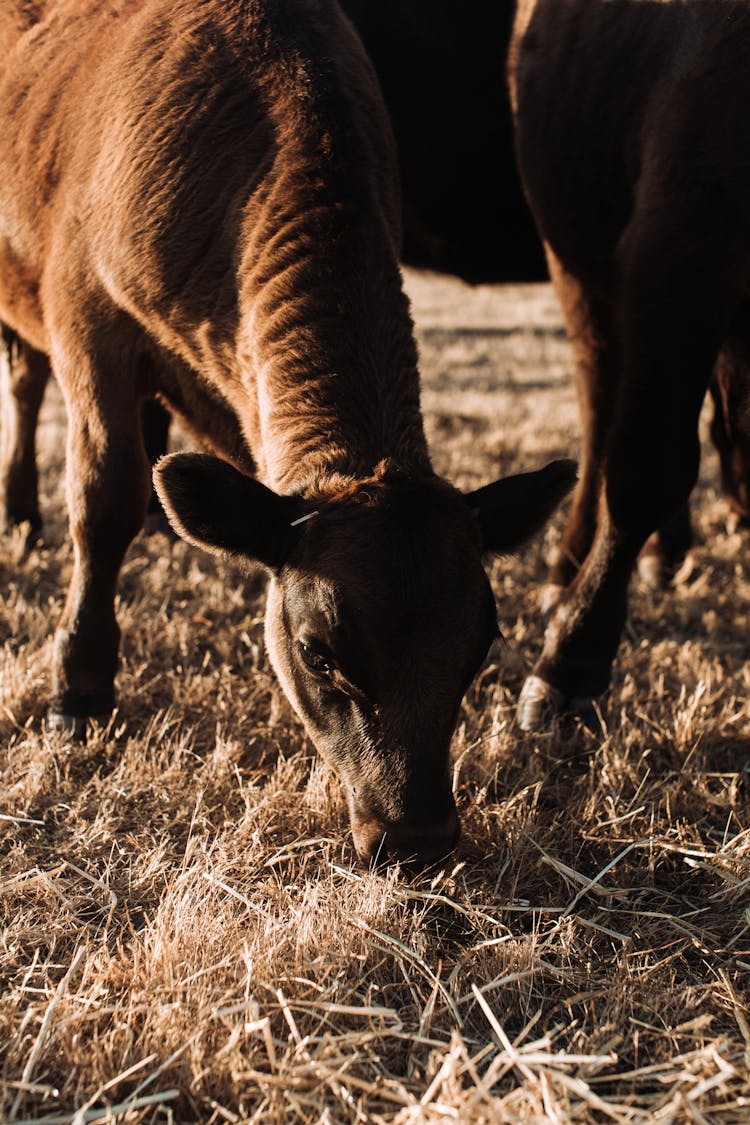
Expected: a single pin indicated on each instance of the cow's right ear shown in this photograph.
(210, 504)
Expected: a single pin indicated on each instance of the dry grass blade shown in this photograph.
(108, 1113)
(36, 1050)
(413, 959)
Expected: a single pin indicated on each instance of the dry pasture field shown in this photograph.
(185, 934)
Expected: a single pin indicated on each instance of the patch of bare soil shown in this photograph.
(184, 933)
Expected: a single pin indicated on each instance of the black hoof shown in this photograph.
(583, 712)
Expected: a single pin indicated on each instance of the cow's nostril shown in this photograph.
(369, 840)
(417, 845)
(425, 844)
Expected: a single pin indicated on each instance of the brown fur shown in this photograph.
(198, 201)
(632, 135)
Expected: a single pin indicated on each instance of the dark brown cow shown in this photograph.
(199, 201)
(442, 69)
(633, 136)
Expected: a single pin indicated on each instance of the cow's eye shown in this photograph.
(317, 657)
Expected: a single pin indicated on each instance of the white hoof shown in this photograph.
(651, 571)
(538, 704)
(75, 726)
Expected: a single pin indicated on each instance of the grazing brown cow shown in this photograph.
(198, 201)
(444, 84)
(633, 140)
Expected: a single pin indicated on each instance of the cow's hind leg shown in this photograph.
(670, 340)
(730, 429)
(108, 488)
(665, 551)
(24, 373)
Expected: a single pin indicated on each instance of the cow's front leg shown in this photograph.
(108, 487)
(583, 633)
(670, 343)
(24, 373)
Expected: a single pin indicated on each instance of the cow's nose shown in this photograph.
(417, 844)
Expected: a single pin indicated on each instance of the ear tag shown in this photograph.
(303, 519)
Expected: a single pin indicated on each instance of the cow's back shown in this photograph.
(444, 81)
(138, 130)
(617, 106)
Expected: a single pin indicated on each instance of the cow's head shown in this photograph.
(379, 615)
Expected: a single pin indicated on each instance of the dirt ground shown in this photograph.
(185, 934)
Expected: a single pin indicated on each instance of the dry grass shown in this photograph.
(185, 936)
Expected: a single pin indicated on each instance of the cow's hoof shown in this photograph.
(538, 704)
(26, 533)
(582, 712)
(737, 521)
(652, 571)
(76, 727)
(549, 598)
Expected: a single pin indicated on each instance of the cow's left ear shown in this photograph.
(210, 504)
(512, 509)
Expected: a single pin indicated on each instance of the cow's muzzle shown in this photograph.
(417, 844)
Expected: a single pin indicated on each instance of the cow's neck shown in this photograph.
(329, 342)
